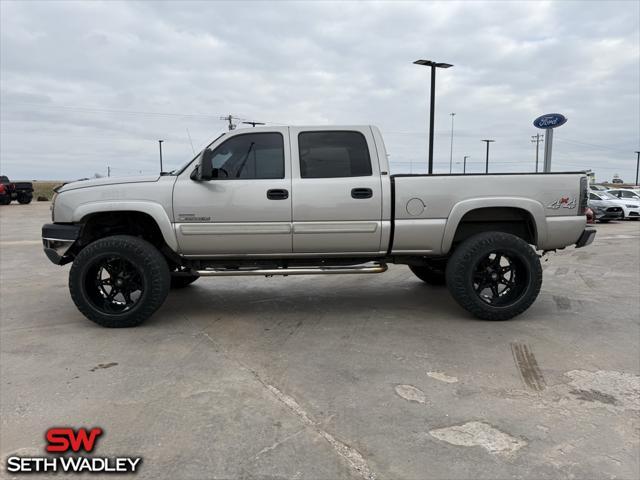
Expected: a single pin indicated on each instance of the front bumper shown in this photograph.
(57, 239)
(586, 238)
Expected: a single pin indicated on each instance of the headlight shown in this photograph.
(631, 206)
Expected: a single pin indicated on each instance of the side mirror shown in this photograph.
(206, 169)
(203, 170)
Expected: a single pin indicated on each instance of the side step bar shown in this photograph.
(269, 272)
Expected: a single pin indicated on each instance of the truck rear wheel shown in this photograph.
(24, 198)
(494, 275)
(433, 272)
(119, 281)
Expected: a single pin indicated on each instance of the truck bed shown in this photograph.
(428, 208)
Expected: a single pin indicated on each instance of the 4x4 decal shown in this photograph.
(563, 202)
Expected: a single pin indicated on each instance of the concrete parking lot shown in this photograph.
(332, 377)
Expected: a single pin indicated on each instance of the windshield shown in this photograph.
(178, 171)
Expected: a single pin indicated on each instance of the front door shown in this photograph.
(337, 191)
(246, 209)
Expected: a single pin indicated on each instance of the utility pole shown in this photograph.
(451, 150)
(229, 118)
(537, 138)
(637, 167)
(486, 168)
(432, 103)
(160, 145)
(464, 164)
(253, 124)
(108, 171)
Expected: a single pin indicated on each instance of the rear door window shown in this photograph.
(332, 154)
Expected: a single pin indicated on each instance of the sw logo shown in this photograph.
(65, 440)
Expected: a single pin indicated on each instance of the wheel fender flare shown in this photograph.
(460, 209)
(154, 210)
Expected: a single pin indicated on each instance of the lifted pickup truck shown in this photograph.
(309, 200)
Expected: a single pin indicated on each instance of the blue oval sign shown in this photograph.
(550, 120)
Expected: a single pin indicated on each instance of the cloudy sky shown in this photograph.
(86, 85)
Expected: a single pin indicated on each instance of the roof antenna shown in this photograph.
(253, 124)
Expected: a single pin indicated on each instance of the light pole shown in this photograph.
(160, 145)
(451, 150)
(637, 167)
(433, 65)
(464, 164)
(486, 168)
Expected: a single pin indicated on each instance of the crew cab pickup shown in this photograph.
(309, 200)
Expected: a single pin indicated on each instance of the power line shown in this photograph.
(108, 110)
(132, 112)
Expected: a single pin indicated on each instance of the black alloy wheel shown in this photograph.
(113, 284)
(500, 278)
(119, 281)
(494, 275)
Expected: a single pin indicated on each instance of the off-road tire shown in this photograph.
(181, 281)
(150, 265)
(433, 272)
(25, 199)
(465, 259)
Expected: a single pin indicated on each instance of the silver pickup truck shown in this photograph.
(309, 200)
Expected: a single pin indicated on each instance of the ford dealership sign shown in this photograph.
(550, 120)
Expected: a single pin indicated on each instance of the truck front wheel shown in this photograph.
(119, 281)
(494, 275)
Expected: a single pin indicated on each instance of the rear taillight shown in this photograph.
(584, 195)
(2, 189)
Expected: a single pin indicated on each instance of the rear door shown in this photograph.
(336, 191)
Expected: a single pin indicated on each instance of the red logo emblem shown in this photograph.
(65, 439)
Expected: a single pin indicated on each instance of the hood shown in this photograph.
(97, 182)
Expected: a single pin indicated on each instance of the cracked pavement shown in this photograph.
(332, 377)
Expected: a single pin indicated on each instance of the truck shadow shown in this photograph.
(270, 298)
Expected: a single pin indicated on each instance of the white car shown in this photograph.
(630, 206)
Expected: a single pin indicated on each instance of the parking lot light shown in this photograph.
(486, 168)
(433, 65)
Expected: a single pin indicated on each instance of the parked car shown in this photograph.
(605, 209)
(20, 191)
(309, 200)
(598, 188)
(630, 207)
